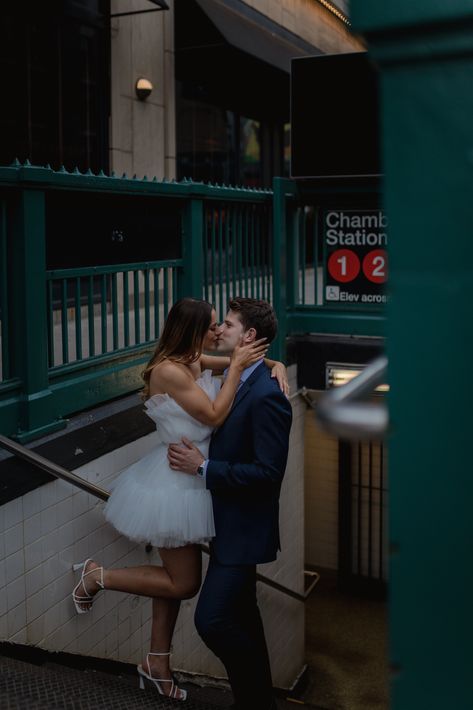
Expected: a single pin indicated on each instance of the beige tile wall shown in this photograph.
(44, 532)
(321, 496)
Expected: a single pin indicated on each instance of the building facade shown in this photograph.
(218, 110)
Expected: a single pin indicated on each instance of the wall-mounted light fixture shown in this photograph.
(338, 373)
(143, 88)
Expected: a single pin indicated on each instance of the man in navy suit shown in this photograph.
(244, 471)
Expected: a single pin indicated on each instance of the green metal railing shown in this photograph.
(237, 253)
(76, 336)
(107, 309)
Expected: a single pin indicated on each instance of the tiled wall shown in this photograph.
(369, 500)
(321, 495)
(44, 532)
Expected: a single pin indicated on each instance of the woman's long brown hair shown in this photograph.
(182, 336)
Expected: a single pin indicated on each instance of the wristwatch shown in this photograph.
(201, 470)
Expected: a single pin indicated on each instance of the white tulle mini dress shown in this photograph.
(152, 503)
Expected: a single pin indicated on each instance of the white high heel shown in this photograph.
(156, 681)
(88, 598)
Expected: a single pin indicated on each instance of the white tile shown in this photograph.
(52, 569)
(13, 513)
(35, 631)
(48, 495)
(3, 601)
(80, 503)
(66, 532)
(14, 566)
(48, 520)
(51, 544)
(16, 619)
(34, 606)
(15, 592)
(65, 610)
(81, 526)
(34, 581)
(63, 490)
(51, 621)
(33, 554)
(32, 528)
(64, 511)
(13, 539)
(31, 503)
(67, 559)
(81, 550)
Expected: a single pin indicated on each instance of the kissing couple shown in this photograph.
(215, 476)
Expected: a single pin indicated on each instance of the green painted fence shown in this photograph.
(78, 335)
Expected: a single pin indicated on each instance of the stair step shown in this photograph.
(24, 686)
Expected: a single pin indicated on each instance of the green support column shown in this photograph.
(425, 53)
(191, 279)
(29, 360)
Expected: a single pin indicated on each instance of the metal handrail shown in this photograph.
(62, 473)
(340, 411)
(58, 471)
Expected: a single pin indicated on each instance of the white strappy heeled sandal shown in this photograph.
(175, 690)
(88, 599)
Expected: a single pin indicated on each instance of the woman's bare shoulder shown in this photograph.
(167, 373)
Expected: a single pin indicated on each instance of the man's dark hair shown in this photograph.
(256, 314)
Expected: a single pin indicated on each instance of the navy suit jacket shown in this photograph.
(247, 460)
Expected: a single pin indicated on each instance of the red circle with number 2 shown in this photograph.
(375, 266)
(344, 265)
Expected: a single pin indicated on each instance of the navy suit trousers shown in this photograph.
(228, 620)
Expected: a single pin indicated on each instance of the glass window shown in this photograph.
(250, 152)
(54, 64)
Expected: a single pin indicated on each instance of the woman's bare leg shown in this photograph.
(165, 612)
(178, 578)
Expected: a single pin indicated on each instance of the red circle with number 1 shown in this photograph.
(375, 266)
(344, 265)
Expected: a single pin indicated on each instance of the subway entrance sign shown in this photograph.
(355, 262)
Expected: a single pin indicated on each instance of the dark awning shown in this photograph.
(254, 33)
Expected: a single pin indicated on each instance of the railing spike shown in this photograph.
(27, 163)
(89, 172)
(16, 163)
(101, 173)
(112, 174)
(145, 178)
(48, 166)
(125, 176)
(155, 179)
(76, 171)
(134, 177)
(62, 169)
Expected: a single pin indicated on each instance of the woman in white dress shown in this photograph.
(149, 501)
